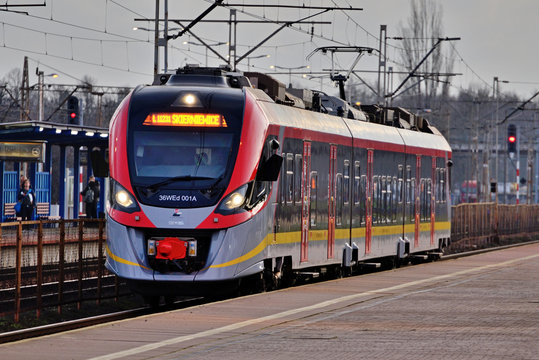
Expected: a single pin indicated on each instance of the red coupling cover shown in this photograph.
(171, 248)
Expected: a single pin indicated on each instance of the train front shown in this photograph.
(183, 158)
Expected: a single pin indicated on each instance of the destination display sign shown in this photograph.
(185, 119)
(22, 151)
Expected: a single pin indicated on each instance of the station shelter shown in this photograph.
(26, 149)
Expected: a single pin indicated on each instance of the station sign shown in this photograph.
(22, 151)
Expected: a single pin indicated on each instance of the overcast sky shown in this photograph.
(498, 38)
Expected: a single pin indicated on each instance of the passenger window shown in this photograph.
(356, 183)
(346, 184)
(422, 199)
(375, 200)
(412, 198)
(429, 198)
(437, 192)
(362, 198)
(400, 185)
(298, 164)
(289, 178)
(442, 185)
(395, 200)
(314, 198)
(383, 200)
(339, 197)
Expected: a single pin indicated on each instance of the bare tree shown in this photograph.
(10, 96)
(423, 29)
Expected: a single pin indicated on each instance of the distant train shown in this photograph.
(218, 177)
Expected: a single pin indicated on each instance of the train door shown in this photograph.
(305, 200)
(368, 205)
(332, 200)
(432, 192)
(417, 207)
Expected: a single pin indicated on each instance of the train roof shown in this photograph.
(312, 110)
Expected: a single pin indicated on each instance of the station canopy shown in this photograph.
(55, 134)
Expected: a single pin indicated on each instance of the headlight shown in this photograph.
(234, 201)
(121, 198)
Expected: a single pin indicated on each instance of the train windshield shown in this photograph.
(181, 154)
(181, 150)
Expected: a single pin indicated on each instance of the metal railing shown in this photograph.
(53, 263)
(481, 225)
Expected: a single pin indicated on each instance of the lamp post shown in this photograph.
(40, 81)
(206, 46)
(290, 71)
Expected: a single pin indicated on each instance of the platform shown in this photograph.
(479, 307)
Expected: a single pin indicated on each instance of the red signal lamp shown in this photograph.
(73, 115)
(512, 139)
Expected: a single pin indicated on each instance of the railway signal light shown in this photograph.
(511, 138)
(73, 110)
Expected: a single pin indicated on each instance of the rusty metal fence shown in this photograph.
(481, 225)
(53, 263)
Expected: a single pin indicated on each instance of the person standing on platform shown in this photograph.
(28, 201)
(90, 195)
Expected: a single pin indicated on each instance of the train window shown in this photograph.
(383, 200)
(314, 198)
(410, 187)
(346, 182)
(422, 199)
(376, 199)
(289, 178)
(436, 184)
(442, 186)
(298, 164)
(412, 200)
(429, 199)
(395, 199)
(389, 199)
(282, 178)
(356, 183)
(362, 198)
(339, 198)
(400, 185)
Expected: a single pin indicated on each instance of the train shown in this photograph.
(220, 177)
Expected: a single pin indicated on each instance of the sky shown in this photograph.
(80, 38)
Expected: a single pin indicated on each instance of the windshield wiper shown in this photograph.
(174, 179)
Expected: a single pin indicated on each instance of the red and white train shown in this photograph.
(214, 181)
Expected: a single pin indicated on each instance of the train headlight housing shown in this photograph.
(234, 201)
(121, 199)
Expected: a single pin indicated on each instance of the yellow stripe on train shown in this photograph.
(321, 235)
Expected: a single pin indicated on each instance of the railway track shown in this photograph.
(179, 304)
